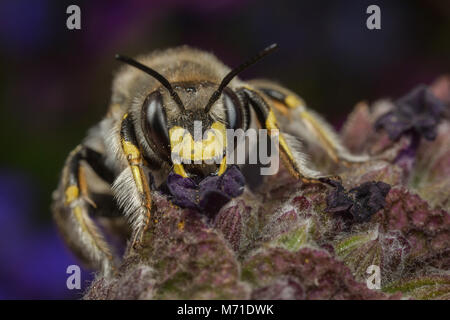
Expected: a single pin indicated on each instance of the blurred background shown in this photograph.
(55, 84)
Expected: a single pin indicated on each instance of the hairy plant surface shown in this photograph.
(290, 240)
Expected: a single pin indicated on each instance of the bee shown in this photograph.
(128, 153)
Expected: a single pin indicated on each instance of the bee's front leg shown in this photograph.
(71, 206)
(316, 129)
(289, 147)
(131, 188)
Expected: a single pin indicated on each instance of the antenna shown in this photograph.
(227, 79)
(155, 75)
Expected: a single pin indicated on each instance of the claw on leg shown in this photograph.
(71, 212)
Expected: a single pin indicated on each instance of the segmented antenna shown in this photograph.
(155, 75)
(227, 79)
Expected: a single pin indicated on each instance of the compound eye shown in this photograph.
(233, 110)
(155, 124)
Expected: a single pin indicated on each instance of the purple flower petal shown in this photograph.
(233, 182)
(183, 190)
(369, 198)
(209, 183)
(210, 194)
(211, 201)
(417, 112)
(361, 202)
(338, 200)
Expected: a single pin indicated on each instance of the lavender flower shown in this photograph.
(209, 194)
(418, 112)
(361, 202)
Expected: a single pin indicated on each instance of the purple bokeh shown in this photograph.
(33, 259)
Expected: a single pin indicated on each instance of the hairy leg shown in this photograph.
(131, 188)
(314, 127)
(290, 148)
(71, 208)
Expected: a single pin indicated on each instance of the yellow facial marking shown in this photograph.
(293, 101)
(214, 144)
(223, 166)
(179, 169)
(72, 192)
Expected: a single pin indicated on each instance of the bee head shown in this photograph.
(186, 122)
(189, 136)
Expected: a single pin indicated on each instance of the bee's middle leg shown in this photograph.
(131, 188)
(292, 106)
(289, 148)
